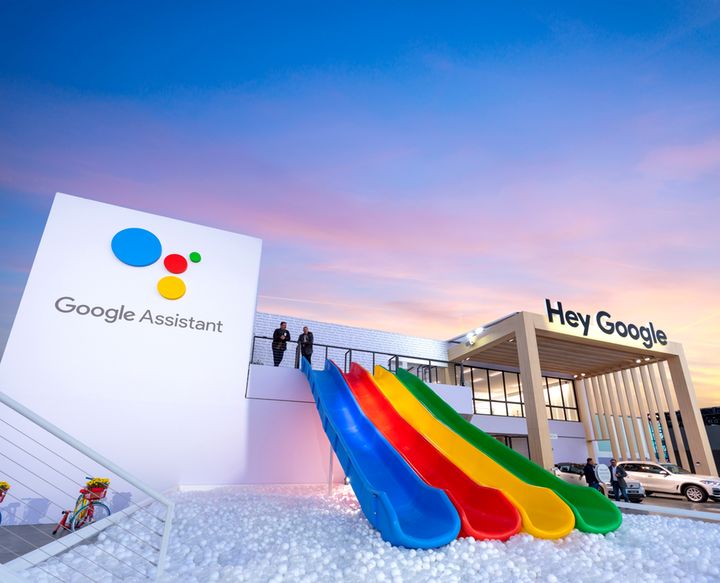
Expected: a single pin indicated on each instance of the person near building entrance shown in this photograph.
(305, 344)
(281, 337)
(590, 476)
(617, 480)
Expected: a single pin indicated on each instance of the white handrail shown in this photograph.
(100, 459)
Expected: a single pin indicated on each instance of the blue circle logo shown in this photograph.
(136, 247)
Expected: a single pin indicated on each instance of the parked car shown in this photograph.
(573, 472)
(672, 479)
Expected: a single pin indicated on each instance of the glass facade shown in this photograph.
(497, 392)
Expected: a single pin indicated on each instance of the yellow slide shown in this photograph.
(544, 514)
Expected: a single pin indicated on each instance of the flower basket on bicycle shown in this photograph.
(93, 483)
(96, 488)
(96, 493)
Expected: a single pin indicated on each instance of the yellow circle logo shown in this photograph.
(171, 287)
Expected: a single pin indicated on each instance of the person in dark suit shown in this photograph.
(590, 476)
(617, 481)
(279, 342)
(305, 343)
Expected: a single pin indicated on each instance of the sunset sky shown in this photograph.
(417, 167)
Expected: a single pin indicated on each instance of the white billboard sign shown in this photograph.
(134, 335)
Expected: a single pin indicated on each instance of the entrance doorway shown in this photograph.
(519, 443)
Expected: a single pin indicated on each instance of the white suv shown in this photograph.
(672, 479)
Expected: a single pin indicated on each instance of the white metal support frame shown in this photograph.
(330, 472)
(6, 571)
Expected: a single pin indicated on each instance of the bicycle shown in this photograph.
(88, 508)
(4, 487)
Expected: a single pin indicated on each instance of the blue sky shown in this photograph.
(422, 167)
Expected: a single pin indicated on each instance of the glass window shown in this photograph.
(675, 469)
(499, 408)
(571, 414)
(555, 394)
(512, 387)
(650, 469)
(568, 393)
(515, 410)
(480, 383)
(497, 390)
(520, 445)
(500, 393)
(482, 408)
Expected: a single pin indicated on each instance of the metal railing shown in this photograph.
(430, 370)
(46, 468)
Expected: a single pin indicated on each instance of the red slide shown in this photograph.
(485, 513)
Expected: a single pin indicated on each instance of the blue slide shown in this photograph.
(404, 509)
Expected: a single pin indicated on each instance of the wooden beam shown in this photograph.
(602, 420)
(586, 416)
(628, 419)
(614, 445)
(692, 420)
(532, 383)
(673, 417)
(643, 383)
(638, 412)
(661, 414)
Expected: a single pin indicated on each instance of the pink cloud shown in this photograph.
(683, 162)
(456, 253)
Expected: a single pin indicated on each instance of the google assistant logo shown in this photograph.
(140, 248)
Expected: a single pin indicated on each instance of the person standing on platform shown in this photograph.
(305, 343)
(617, 481)
(590, 476)
(281, 337)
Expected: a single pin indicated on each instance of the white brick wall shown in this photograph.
(388, 343)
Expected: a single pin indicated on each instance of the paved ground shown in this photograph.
(20, 539)
(681, 502)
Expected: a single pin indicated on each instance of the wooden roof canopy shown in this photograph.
(563, 356)
(559, 352)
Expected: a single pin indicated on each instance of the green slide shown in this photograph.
(593, 512)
